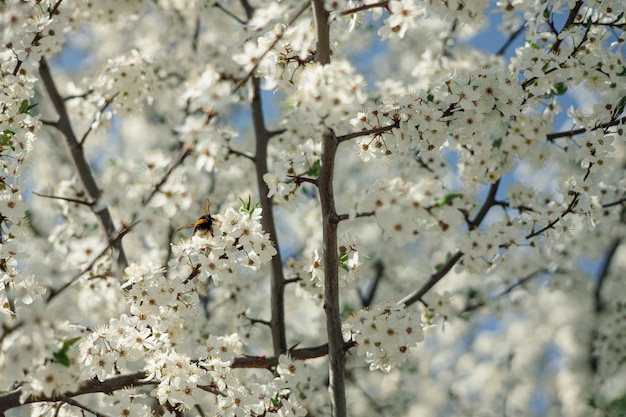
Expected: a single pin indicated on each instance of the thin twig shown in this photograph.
(517, 283)
(68, 199)
(550, 225)
(106, 104)
(229, 13)
(185, 152)
(374, 131)
(366, 299)
(76, 404)
(342, 217)
(417, 295)
(574, 132)
(364, 7)
(112, 243)
(232, 151)
(509, 41)
(305, 5)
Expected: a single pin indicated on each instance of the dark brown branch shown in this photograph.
(366, 299)
(490, 201)
(36, 38)
(615, 203)
(322, 32)
(569, 133)
(509, 41)
(106, 104)
(11, 399)
(569, 209)
(518, 283)
(375, 131)
(570, 20)
(305, 5)
(364, 7)
(299, 180)
(277, 301)
(598, 304)
(232, 151)
(78, 157)
(417, 295)
(113, 242)
(331, 276)
(76, 404)
(68, 199)
(434, 279)
(342, 217)
(175, 164)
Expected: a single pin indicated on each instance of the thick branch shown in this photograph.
(11, 399)
(320, 16)
(331, 276)
(78, 157)
(570, 20)
(260, 163)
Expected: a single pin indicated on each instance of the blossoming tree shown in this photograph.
(399, 223)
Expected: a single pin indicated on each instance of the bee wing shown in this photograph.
(206, 207)
(187, 226)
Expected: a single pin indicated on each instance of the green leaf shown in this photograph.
(621, 105)
(314, 170)
(25, 106)
(560, 89)
(496, 143)
(440, 265)
(430, 97)
(247, 207)
(440, 202)
(472, 293)
(343, 261)
(617, 407)
(61, 356)
(5, 138)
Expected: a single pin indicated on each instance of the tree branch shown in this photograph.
(417, 295)
(331, 276)
(374, 131)
(279, 36)
(78, 157)
(364, 7)
(509, 41)
(68, 199)
(114, 240)
(322, 32)
(277, 301)
(176, 163)
(12, 399)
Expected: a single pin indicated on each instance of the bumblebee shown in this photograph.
(204, 225)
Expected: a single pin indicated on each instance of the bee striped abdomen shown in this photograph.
(203, 226)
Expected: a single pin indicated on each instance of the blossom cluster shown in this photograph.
(385, 334)
(236, 244)
(283, 181)
(406, 15)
